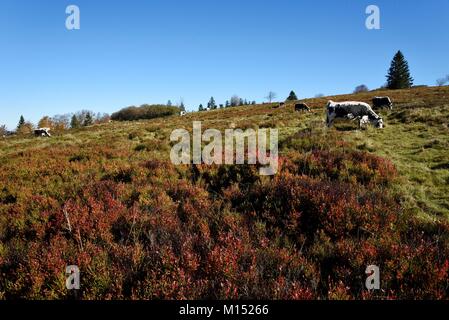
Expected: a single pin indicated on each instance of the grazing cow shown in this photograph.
(279, 105)
(352, 110)
(301, 106)
(182, 113)
(42, 132)
(382, 102)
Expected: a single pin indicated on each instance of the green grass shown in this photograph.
(415, 139)
(417, 151)
(343, 199)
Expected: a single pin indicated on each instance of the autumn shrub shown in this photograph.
(144, 112)
(140, 227)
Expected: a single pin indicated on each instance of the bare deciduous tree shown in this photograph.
(235, 100)
(61, 122)
(271, 96)
(442, 81)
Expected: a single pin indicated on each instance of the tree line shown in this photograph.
(398, 77)
(236, 101)
(146, 111)
(58, 123)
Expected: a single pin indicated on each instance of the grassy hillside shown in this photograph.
(143, 228)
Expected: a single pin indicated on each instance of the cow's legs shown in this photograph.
(330, 120)
(362, 122)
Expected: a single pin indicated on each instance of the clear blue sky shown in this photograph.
(134, 52)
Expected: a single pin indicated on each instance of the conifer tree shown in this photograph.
(399, 74)
(292, 96)
(21, 122)
(211, 104)
(88, 120)
(75, 122)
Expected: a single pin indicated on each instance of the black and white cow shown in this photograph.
(382, 102)
(42, 132)
(279, 105)
(352, 110)
(301, 106)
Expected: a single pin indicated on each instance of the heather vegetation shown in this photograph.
(107, 198)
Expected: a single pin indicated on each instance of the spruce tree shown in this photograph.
(292, 96)
(399, 74)
(88, 120)
(211, 104)
(200, 108)
(21, 122)
(74, 123)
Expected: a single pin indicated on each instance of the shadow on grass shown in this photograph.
(441, 166)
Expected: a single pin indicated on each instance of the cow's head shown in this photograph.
(379, 123)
